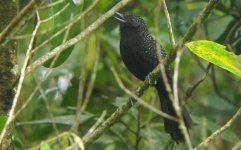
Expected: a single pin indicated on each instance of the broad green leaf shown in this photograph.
(62, 120)
(45, 146)
(3, 120)
(91, 51)
(216, 54)
(60, 39)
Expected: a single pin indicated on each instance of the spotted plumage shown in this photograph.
(140, 54)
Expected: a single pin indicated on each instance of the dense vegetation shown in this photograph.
(72, 93)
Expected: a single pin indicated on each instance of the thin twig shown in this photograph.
(82, 82)
(44, 78)
(220, 130)
(155, 73)
(91, 82)
(97, 123)
(120, 111)
(138, 128)
(122, 139)
(69, 25)
(192, 29)
(79, 37)
(25, 103)
(52, 4)
(56, 14)
(61, 136)
(230, 34)
(127, 127)
(216, 88)
(46, 101)
(237, 146)
(169, 25)
(175, 100)
(20, 82)
(161, 58)
(83, 100)
(30, 6)
(139, 100)
(193, 87)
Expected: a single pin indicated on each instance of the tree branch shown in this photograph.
(20, 83)
(156, 73)
(217, 132)
(79, 37)
(192, 29)
(17, 19)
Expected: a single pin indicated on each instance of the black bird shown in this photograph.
(139, 53)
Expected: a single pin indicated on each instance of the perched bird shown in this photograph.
(140, 54)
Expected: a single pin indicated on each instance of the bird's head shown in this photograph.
(129, 22)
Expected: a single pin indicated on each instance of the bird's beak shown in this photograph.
(120, 17)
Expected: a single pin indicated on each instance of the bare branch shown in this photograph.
(20, 83)
(97, 123)
(174, 97)
(79, 37)
(169, 25)
(30, 6)
(139, 100)
(56, 14)
(83, 100)
(237, 146)
(52, 4)
(220, 130)
(67, 26)
(138, 128)
(176, 100)
(155, 74)
(192, 29)
(216, 88)
(122, 110)
(191, 89)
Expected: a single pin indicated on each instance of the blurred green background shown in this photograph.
(211, 105)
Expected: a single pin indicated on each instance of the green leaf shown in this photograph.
(62, 120)
(3, 120)
(45, 146)
(230, 136)
(216, 54)
(63, 37)
(91, 51)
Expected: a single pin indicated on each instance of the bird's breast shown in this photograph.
(139, 57)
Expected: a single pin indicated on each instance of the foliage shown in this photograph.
(71, 74)
(216, 54)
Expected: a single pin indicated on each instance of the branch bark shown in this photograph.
(156, 73)
(8, 60)
(14, 22)
(79, 37)
(220, 130)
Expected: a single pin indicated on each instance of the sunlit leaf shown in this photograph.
(3, 120)
(91, 51)
(216, 54)
(60, 39)
(45, 146)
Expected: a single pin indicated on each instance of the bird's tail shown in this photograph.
(170, 126)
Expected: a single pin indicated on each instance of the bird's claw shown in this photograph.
(131, 101)
(151, 80)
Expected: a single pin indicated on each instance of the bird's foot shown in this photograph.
(131, 101)
(151, 80)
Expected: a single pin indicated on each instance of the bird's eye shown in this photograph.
(134, 22)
